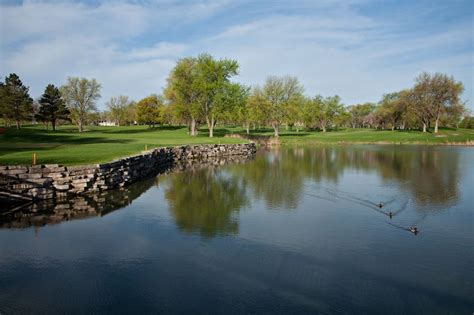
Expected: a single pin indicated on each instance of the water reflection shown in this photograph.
(205, 199)
(429, 175)
(56, 211)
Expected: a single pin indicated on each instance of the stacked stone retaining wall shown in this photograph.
(48, 181)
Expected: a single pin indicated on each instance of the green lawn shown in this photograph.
(375, 136)
(101, 144)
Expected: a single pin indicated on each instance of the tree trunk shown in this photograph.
(53, 124)
(18, 124)
(393, 128)
(424, 127)
(324, 128)
(193, 127)
(81, 129)
(275, 129)
(210, 126)
(247, 128)
(436, 125)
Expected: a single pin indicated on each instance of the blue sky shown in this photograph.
(357, 49)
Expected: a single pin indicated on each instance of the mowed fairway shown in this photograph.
(369, 136)
(97, 144)
(100, 144)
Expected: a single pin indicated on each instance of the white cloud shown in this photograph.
(131, 47)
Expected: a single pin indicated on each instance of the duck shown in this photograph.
(380, 205)
(390, 214)
(413, 229)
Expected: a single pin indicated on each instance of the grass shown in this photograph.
(100, 144)
(363, 136)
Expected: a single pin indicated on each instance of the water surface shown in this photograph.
(296, 230)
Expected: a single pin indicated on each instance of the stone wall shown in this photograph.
(70, 207)
(40, 182)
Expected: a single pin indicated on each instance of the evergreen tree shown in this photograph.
(15, 102)
(52, 106)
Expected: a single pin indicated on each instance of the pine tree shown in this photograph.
(16, 103)
(52, 106)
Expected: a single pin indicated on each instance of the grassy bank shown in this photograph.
(100, 144)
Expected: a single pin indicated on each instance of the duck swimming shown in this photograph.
(380, 205)
(413, 229)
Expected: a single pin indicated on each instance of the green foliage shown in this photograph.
(323, 112)
(81, 95)
(52, 106)
(182, 94)
(279, 92)
(360, 114)
(121, 110)
(149, 110)
(467, 122)
(200, 89)
(433, 96)
(15, 102)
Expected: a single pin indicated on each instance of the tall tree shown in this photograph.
(52, 106)
(216, 95)
(81, 95)
(15, 101)
(119, 109)
(279, 91)
(434, 95)
(359, 113)
(149, 110)
(182, 94)
(323, 112)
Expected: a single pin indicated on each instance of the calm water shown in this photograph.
(293, 231)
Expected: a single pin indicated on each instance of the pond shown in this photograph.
(294, 230)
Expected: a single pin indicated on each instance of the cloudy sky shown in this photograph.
(357, 49)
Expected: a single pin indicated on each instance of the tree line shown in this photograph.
(199, 92)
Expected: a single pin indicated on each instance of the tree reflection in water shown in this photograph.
(207, 199)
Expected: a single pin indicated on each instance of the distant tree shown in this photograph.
(310, 111)
(52, 106)
(168, 114)
(15, 102)
(182, 93)
(467, 122)
(278, 91)
(323, 112)
(294, 112)
(131, 113)
(433, 95)
(119, 109)
(81, 95)
(359, 114)
(149, 110)
(257, 109)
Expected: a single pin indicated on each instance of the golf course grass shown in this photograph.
(100, 144)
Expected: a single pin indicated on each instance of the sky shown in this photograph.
(357, 49)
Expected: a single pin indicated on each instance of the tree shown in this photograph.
(279, 91)
(149, 110)
(467, 122)
(294, 111)
(257, 109)
(182, 94)
(81, 95)
(322, 113)
(15, 102)
(119, 109)
(216, 95)
(359, 114)
(52, 106)
(433, 95)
